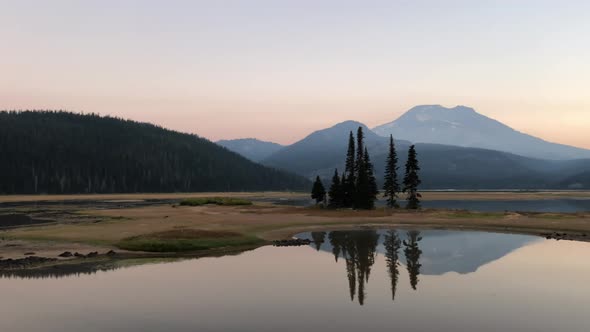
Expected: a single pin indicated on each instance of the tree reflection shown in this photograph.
(337, 241)
(318, 239)
(412, 253)
(392, 245)
(359, 249)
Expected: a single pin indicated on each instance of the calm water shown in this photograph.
(540, 205)
(345, 281)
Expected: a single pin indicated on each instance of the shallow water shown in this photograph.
(381, 280)
(570, 205)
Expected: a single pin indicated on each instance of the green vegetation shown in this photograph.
(225, 201)
(187, 240)
(60, 153)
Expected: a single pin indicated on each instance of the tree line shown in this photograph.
(357, 187)
(58, 152)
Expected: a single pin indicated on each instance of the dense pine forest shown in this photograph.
(61, 152)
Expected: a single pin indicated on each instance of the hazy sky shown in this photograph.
(277, 70)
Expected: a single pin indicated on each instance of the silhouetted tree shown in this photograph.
(412, 179)
(318, 239)
(391, 186)
(336, 192)
(372, 190)
(392, 246)
(349, 178)
(318, 192)
(412, 253)
(362, 182)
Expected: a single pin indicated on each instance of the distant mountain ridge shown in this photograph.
(323, 150)
(463, 126)
(443, 166)
(251, 148)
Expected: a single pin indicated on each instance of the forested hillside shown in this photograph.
(62, 152)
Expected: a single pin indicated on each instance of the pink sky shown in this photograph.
(278, 70)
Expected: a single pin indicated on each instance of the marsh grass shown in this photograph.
(184, 240)
(225, 201)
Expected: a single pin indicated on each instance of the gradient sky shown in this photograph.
(277, 70)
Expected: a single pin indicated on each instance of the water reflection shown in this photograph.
(413, 253)
(79, 269)
(359, 249)
(429, 252)
(542, 286)
(392, 246)
(318, 239)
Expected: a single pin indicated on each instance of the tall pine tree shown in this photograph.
(349, 178)
(336, 192)
(362, 181)
(391, 186)
(371, 195)
(412, 179)
(318, 192)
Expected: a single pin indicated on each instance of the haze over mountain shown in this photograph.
(323, 150)
(443, 166)
(251, 148)
(60, 152)
(463, 126)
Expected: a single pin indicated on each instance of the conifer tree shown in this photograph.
(318, 192)
(362, 182)
(349, 178)
(412, 179)
(335, 193)
(391, 186)
(360, 149)
(372, 190)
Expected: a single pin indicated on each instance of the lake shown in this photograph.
(430, 280)
(569, 205)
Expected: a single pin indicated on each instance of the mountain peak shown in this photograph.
(440, 111)
(349, 125)
(463, 126)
